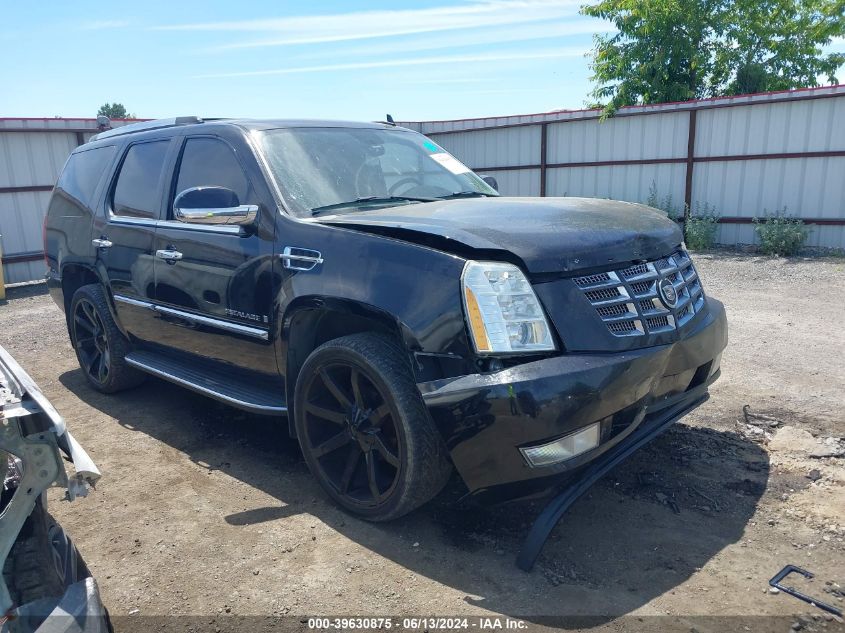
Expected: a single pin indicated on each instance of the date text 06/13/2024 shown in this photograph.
(415, 623)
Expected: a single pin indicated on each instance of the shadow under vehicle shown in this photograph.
(616, 550)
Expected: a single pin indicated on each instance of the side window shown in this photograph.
(137, 193)
(82, 173)
(209, 162)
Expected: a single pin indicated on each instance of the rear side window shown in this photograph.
(209, 162)
(83, 172)
(137, 193)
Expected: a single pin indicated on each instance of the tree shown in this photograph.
(114, 111)
(750, 78)
(677, 50)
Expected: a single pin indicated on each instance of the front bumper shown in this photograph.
(486, 418)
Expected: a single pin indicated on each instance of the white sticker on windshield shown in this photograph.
(450, 162)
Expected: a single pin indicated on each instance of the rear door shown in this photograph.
(214, 282)
(123, 233)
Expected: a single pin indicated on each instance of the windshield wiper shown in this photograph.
(467, 194)
(370, 200)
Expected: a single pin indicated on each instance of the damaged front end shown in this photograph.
(33, 441)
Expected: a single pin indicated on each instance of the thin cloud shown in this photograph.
(466, 38)
(358, 25)
(418, 61)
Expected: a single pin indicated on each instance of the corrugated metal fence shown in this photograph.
(746, 156)
(32, 153)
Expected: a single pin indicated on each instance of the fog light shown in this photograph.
(564, 448)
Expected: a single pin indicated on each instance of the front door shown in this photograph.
(124, 233)
(214, 282)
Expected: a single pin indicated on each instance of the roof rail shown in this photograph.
(147, 125)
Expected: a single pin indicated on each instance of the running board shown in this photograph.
(267, 399)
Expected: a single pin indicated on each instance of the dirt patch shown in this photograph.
(207, 511)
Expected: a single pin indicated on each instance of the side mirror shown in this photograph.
(491, 181)
(212, 205)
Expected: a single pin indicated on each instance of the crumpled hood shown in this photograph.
(547, 234)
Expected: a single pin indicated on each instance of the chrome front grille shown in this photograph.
(630, 302)
(598, 297)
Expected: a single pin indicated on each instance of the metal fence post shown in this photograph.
(690, 164)
(2, 279)
(544, 134)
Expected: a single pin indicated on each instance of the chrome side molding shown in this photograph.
(237, 328)
(134, 302)
(234, 229)
(220, 324)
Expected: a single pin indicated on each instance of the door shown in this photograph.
(124, 233)
(214, 281)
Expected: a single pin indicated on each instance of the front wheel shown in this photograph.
(364, 430)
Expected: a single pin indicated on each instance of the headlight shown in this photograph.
(503, 313)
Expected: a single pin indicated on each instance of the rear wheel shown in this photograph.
(100, 346)
(364, 431)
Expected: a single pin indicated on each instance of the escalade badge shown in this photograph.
(668, 293)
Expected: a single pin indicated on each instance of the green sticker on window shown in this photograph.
(431, 147)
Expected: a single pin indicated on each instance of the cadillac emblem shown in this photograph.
(668, 293)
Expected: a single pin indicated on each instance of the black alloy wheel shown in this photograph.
(364, 431)
(100, 346)
(92, 345)
(352, 433)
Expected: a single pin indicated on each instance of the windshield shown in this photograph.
(338, 170)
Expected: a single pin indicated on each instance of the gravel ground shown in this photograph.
(207, 511)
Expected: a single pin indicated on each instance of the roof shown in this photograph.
(271, 124)
(247, 124)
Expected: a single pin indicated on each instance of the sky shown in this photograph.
(418, 59)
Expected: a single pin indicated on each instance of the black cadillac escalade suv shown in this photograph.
(363, 282)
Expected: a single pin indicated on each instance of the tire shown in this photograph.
(32, 570)
(100, 346)
(357, 393)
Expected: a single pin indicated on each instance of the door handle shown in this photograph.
(101, 243)
(170, 256)
(296, 258)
